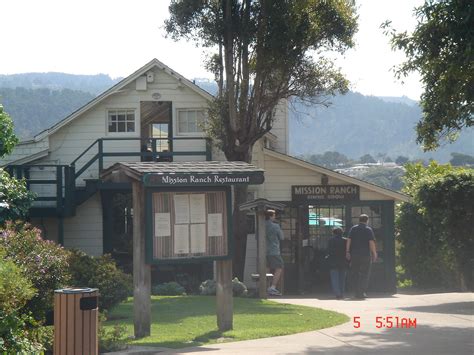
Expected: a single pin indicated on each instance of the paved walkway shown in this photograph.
(444, 325)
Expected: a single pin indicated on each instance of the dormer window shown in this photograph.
(121, 121)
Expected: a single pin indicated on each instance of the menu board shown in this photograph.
(189, 225)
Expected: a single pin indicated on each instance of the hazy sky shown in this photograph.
(117, 37)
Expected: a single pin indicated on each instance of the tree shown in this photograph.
(7, 137)
(441, 49)
(367, 159)
(15, 199)
(262, 57)
(435, 228)
(329, 160)
(458, 159)
(401, 160)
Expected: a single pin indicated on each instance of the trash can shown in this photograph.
(76, 321)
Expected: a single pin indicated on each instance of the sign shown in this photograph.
(325, 193)
(221, 179)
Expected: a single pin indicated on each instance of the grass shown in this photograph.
(181, 321)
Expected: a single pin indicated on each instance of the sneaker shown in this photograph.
(273, 291)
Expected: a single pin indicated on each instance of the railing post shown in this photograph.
(70, 186)
(101, 156)
(59, 188)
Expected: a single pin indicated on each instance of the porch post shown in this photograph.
(141, 271)
(261, 252)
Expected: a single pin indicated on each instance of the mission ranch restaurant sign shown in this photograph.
(203, 179)
(325, 193)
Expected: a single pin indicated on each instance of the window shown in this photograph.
(190, 121)
(121, 121)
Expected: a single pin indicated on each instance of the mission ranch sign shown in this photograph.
(325, 193)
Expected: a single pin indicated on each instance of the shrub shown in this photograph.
(15, 199)
(17, 330)
(100, 272)
(208, 288)
(168, 289)
(111, 340)
(239, 288)
(43, 262)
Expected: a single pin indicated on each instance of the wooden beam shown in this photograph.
(262, 252)
(141, 271)
(225, 302)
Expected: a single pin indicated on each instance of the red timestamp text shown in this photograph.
(388, 322)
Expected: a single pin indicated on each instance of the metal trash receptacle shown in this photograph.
(76, 317)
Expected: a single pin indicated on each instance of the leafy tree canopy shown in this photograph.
(441, 49)
(264, 53)
(7, 136)
(367, 159)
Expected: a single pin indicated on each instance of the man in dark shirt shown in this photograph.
(361, 252)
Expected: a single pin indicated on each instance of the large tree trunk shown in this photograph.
(239, 219)
(240, 231)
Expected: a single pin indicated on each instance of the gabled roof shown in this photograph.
(349, 179)
(114, 89)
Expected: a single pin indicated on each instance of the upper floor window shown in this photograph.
(121, 121)
(190, 122)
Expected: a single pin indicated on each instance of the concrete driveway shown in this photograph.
(444, 325)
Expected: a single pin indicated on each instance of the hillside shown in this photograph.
(353, 125)
(356, 125)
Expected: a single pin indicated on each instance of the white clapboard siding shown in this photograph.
(250, 261)
(25, 150)
(84, 230)
(280, 175)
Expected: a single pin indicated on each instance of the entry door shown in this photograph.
(321, 222)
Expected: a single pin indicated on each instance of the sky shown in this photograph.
(117, 37)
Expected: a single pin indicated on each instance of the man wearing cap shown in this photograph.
(273, 234)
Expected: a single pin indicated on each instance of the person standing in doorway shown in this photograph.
(361, 252)
(273, 234)
(337, 262)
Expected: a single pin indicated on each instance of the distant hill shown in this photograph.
(34, 110)
(353, 125)
(94, 84)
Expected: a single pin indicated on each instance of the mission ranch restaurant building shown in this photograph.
(154, 115)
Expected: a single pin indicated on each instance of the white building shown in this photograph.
(157, 107)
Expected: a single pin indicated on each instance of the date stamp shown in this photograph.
(387, 322)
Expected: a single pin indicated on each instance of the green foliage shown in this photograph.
(441, 50)
(389, 178)
(8, 140)
(263, 57)
(15, 198)
(208, 288)
(34, 110)
(367, 159)
(458, 159)
(17, 333)
(42, 262)
(238, 288)
(100, 272)
(168, 289)
(113, 338)
(330, 160)
(402, 160)
(434, 230)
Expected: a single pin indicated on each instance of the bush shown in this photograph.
(208, 288)
(239, 288)
(15, 199)
(17, 331)
(43, 262)
(100, 272)
(111, 340)
(168, 289)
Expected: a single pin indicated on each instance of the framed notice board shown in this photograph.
(186, 225)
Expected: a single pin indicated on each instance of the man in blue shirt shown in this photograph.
(361, 252)
(273, 234)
